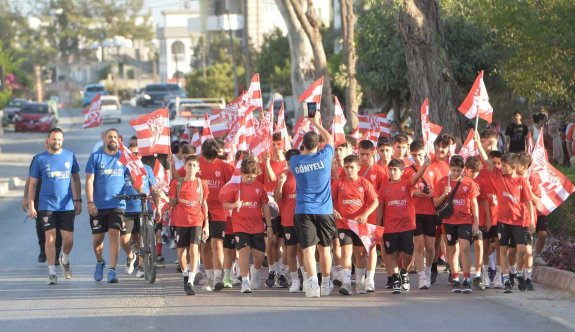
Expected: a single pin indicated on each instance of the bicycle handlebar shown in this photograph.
(132, 197)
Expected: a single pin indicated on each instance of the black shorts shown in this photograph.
(425, 224)
(490, 233)
(348, 237)
(541, 224)
(229, 242)
(61, 220)
(510, 235)
(217, 230)
(290, 236)
(402, 241)
(254, 241)
(107, 219)
(131, 223)
(277, 227)
(186, 236)
(455, 232)
(312, 229)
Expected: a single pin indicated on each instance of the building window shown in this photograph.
(178, 48)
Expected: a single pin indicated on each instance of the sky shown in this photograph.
(156, 6)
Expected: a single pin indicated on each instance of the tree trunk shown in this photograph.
(429, 72)
(348, 31)
(308, 57)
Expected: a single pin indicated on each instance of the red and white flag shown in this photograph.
(93, 114)
(134, 165)
(313, 93)
(555, 187)
(262, 139)
(469, 148)
(197, 141)
(153, 132)
(282, 128)
(429, 131)
(338, 123)
(375, 122)
(252, 99)
(369, 234)
(162, 185)
(236, 141)
(477, 101)
(207, 131)
(356, 134)
(370, 135)
(302, 126)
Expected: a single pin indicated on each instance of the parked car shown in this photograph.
(10, 110)
(111, 108)
(153, 94)
(90, 91)
(175, 91)
(35, 117)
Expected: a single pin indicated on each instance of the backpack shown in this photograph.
(179, 188)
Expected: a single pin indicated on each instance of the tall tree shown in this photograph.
(348, 31)
(306, 49)
(429, 71)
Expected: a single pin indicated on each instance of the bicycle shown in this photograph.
(147, 236)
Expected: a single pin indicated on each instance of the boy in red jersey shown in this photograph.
(514, 199)
(284, 194)
(400, 148)
(247, 205)
(188, 198)
(216, 173)
(385, 151)
(354, 198)
(397, 214)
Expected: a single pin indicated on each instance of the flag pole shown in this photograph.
(476, 120)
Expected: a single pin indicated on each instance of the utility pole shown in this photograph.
(39, 87)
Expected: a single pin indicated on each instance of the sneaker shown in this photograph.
(313, 290)
(246, 286)
(491, 272)
(508, 287)
(67, 270)
(360, 287)
(218, 284)
(237, 281)
(369, 285)
(529, 285)
(521, 284)
(485, 280)
(512, 277)
(179, 268)
(456, 286)
(254, 278)
(447, 268)
(130, 263)
(295, 286)
(112, 278)
(326, 287)
(433, 276)
(449, 278)
(209, 286)
(228, 282)
(345, 289)
(423, 282)
(189, 289)
(405, 286)
(159, 259)
(198, 278)
(99, 272)
(52, 279)
(305, 286)
(282, 281)
(396, 284)
(478, 283)
(271, 280)
(337, 276)
(42, 257)
(173, 244)
(466, 286)
(139, 272)
(497, 281)
(389, 284)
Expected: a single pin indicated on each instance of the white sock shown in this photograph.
(421, 274)
(227, 273)
(273, 267)
(305, 276)
(478, 273)
(189, 267)
(346, 276)
(485, 268)
(498, 269)
(192, 278)
(528, 272)
(186, 273)
(294, 277)
(512, 269)
(359, 273)
(370, 274)
(217, 274)
(337, 268)
(52, 269)
(492, 261)
(210, 274)
(325, 279)
(428, 270)
(256, 272)
(65, 258)
(313, 280)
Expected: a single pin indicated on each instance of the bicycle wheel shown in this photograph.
(150, 259)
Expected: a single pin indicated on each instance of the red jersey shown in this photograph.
(438, 169)
(249, 217)
(216, 174)
(533, 182)
(351, 198)
(466, 192)
(512, 194)
(423, 205)
(398, 208)
(278, 167)
(377, 176)
(337, 173)
(487, 193)
(287, 203)
(188, 211)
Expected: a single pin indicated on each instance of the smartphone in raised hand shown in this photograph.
(311, 110)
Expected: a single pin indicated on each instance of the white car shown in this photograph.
(111, 108)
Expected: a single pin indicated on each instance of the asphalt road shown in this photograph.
(27, 303)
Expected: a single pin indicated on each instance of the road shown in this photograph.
(29, 304)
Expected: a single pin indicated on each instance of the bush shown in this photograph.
(560, 254)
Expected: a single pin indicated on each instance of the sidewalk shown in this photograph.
(14, 170)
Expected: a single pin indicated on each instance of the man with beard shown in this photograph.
(104, 180)
(59, 199)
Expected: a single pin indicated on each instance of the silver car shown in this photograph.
(111, 108)
(13, 106)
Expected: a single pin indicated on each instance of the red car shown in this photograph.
(37, 117)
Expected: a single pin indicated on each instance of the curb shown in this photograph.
(549, 276)
(8, 184)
